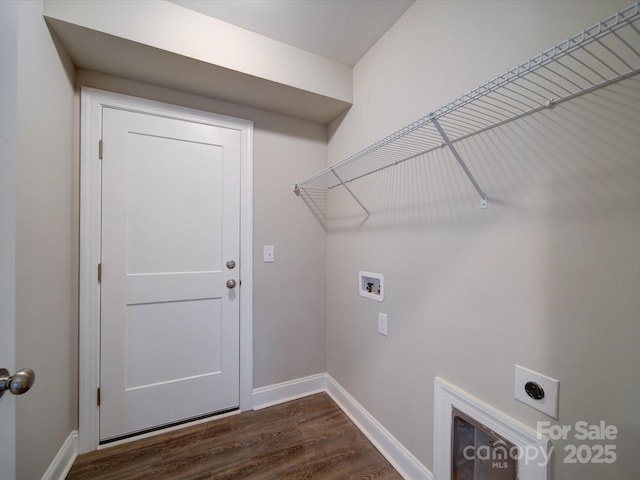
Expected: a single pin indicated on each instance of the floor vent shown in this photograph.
(474, 441)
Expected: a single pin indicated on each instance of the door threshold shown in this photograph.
(166, 428)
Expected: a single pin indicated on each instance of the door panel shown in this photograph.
(170, 350)
(170, 221)
(161, 208)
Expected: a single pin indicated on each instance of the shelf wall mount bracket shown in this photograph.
(346, 187)
(484, 201)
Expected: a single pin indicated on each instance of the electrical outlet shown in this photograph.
(382, 324)
(537, 391)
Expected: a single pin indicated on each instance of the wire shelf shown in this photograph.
(605, 53)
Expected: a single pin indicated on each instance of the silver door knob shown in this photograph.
(231, 283)
(18, 383)
(231, 264)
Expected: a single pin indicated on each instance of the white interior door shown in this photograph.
(7, 304)
(169, 348)
(7, 403)
(9, 20)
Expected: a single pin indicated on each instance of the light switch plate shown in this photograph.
(382, 324)
(548, 404)
(269, 254)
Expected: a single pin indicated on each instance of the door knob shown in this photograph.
(18, 383)
(231, 264)
(231, 283)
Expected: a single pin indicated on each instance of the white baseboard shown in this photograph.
(63, 461)
(402, 460)
(283, 392)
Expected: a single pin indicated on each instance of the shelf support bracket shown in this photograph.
(484, 203)
(351, 193)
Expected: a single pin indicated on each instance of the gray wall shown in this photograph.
(547, 277)
(46, 285)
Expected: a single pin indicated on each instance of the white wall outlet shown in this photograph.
(537, 391)
(382, 324)
(269, 254)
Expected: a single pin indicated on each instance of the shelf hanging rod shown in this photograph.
(483, 197)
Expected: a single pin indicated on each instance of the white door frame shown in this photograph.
(92, 102)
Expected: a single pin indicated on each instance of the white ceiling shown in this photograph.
(342, 30)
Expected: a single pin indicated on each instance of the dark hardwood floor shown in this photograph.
(306, 438)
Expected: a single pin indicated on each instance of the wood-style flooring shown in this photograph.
(306, 438)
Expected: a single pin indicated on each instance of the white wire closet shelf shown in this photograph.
(605, 53)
